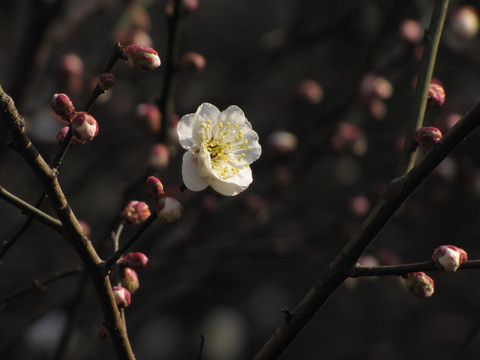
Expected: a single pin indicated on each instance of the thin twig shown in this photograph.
(123, 249)
(431, 42)
(200, 347)
(31, 211)
(38, 285)
(403, 269)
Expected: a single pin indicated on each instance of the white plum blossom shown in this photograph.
(221, 146)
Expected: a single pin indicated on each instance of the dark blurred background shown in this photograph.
(328, 87)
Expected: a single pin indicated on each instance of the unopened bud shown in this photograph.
(154, 187)
(150, 116)
(159, 157)
(135, 260)
(129, 280)
(169, 209)
(106, 81)
(427, 137)
(104, 335)
(449, 257)
(192, 62)
(122, 296)
(62, 106)
(141, 58)
(84, 126)
(436, 95)
(62, 134)
(135, 213)
(420, 284)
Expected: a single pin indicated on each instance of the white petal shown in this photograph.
(233, 185)
(208, 111)
(234, 115)
(204, 163)
(190, 174)
(185, 130)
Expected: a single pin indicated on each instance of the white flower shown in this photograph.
(221, 146)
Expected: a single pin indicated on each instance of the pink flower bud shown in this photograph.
(169, 209)
(84, 126)
(154, 187)
(420, 284)
(135, 260)
(436, 95)
(141, 58)
(159, 157)
(62, 106)
(104, 335)
(427, 137)
(122, 296)
(129, 280)
(309, 92)
(192, 62)
(150, 116)
(106, 81)
(62, 134)
(135, 213)
(449, 257)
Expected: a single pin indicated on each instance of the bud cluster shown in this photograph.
(83, 125)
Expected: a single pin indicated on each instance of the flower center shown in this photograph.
(226, 146)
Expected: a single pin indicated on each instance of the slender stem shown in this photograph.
(116, 244)
(165, 103)
(31, 210)
(403, 269)
(123, 249)
(38, 284)
(339, 269)
(60, 155)
(431, 41)
(117, 274)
